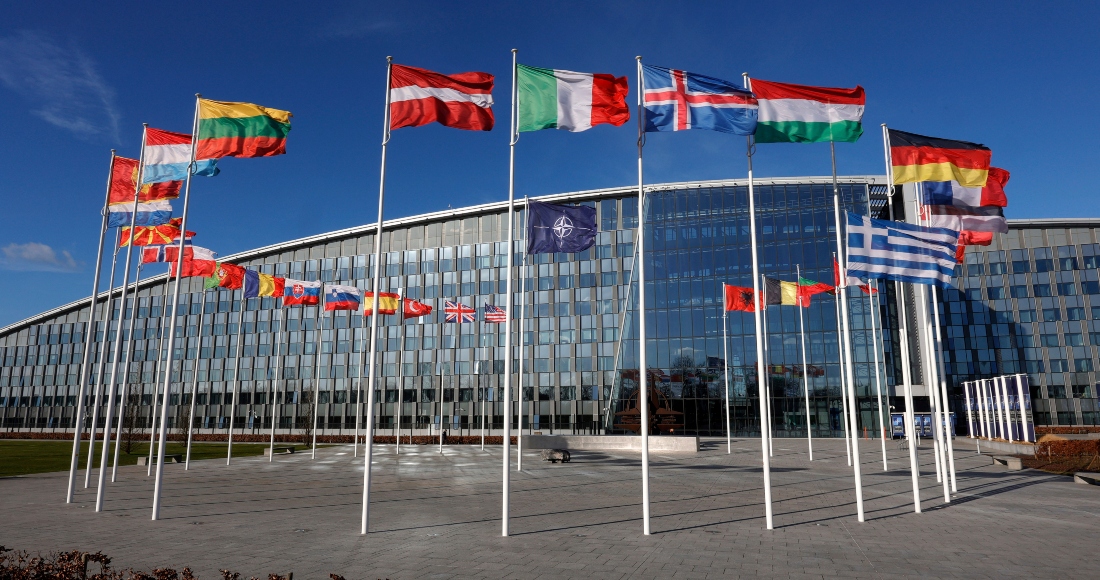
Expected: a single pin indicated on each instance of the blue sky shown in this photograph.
(77, 79)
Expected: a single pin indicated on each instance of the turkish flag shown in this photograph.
(414, 308)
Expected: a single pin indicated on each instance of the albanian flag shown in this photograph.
(739, 298)
(154, 235)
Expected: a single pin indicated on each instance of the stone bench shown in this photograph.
(1086, 478)
(178, 458)
(267, 452)
(1012, 463)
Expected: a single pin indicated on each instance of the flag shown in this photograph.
(989, 218)
(567, 100)
(226, 276)
(240, 130)
(804, 114)
(419, 97)
(339, 297)
(553, 227)
(153, 213)
(739, 298)
(851, 280)
(495, 314)
(677, 100)
(458, 313)
(969, 238)
(951, 193)
(257, 285)
(920, 158)
(196, 261)
(778, 292)
(387, 303)
(415, 308)
(124, 177)
(153, 235)
(301, 293)
(807, 288)
(167, 156)
(889, 250)
(169, 253)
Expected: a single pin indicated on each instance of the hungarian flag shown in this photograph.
(807, 288)
(419, 97)
(920, 158)
(387, 303)
(803, 114)
(415, 308)
(124, 175)
(226, 276)
(739, 298)
(567, 100)
(154, 235)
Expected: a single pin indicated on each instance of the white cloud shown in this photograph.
(35, 257)
(62, 83)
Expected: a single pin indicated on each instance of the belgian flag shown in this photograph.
(919, 158)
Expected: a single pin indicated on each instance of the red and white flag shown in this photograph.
(196, 262)
(419, 97)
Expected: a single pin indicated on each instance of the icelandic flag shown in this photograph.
(301, 293)
(153, 213)
(339, 297)
(889, 250)
(677, 100)
(167, 156)
(554, 227)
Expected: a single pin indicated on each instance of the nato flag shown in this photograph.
(553, 227)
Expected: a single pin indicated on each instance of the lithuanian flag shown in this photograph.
(240, 130)
(919, 158)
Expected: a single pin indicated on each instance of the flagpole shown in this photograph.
(878, 375)
(317, 376)
(279, 354)
(454, 369)
(840, 354)
(852, 405)
(89, 339)
(236, 375)
(726, 374)
(359, 383)
(194, 383)
(172, 325)
(767, 374)
(369, 427)
(513, 138)
(126, 367)
(477, 378)
(907, 372)
(643, 388)
(939, 416)
(946, 410)
(805, 366)
(108, 317)
(156, 374)
(522, 310)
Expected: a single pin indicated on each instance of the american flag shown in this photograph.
(458, 312)
(495, 314)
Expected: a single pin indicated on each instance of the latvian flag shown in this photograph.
(419, 97)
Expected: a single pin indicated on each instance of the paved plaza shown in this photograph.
(439, 517)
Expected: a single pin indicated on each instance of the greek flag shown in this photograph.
(888, 250)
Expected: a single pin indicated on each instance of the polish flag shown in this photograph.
(419, 97)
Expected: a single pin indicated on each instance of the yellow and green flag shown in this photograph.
(240, 130)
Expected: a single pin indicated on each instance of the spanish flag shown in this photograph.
(919, 158)
(387, 303)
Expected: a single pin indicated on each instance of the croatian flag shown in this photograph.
(167, 155)
(889, 250)
(458, 312)
(341, 297)
(301, 293)
(153, 213)
(677, 100)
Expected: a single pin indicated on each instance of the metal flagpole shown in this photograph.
(767, 399)
(477, 378)
(454, 369)
(726, 373)
(946, 410)
(983, 417)
(758, 315)
(969, 411)
(851, 395)
(279, 355)
(643, 387)
(1023, 413)
(907, 372)
(368, 449)
(843, 387)
(237, 378)
(805, 366)
(108, 317)
(156, 375)
(513, 138)
(194, 385)
(126, 366)
(89, 339)
(932, 378)
(878, 375)
(359, 383)
(522, 329)
(172, 326)
(317, 375)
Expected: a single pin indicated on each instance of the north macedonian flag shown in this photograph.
(154, 235)
(240, 130)
(919, 158)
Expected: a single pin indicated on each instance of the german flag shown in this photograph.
(919, 158)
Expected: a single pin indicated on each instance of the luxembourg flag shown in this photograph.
(153, 213)
(341, 297)
(167, 155)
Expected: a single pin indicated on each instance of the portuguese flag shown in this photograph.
(572, 101)
(240, 130)
(804, 114)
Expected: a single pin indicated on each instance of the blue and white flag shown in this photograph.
(889, 250)
(153, 213)
(560, 228)
(677, 100)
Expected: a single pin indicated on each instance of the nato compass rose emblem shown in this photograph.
(563, 227)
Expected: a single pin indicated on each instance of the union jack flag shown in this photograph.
(677, 100)
(458, 313)
(495, 314)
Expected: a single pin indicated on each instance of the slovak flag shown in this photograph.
(339, 297)
(301, 293)
(677, 100)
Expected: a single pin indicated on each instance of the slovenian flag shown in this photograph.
(167, 156)
(301, 293)
(339, 297)
(154, 213)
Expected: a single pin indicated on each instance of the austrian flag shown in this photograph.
(419, 97)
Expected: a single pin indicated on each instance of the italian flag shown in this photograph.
(803, 114)
(573, 101)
